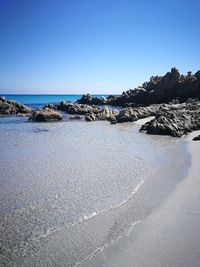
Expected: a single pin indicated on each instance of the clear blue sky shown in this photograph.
(97, 46)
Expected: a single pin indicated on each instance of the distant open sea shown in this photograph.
(36, 101)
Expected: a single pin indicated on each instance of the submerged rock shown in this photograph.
(40, 130)
(11, 107)
(196, 138)
(46, 115)
(77, 117)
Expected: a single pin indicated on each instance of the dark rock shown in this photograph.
(11, 107)
(160, 89)
(50, 106)
(113, 120)
(133, 114)
(103, 114)
(174, 120)
(92, 100)
(2, 99)
(196, 138)
(74, 108)
(46, 115)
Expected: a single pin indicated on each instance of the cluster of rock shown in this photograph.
(147, 100)
(174, 120)
(134, 114)
(74, 108)
(160, 89)
(164, 89)
(11, 107)
(45, 115)
(102, 114)
(124, 115)
(170, 119)
(94, 113)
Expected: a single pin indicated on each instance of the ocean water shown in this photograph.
(36, 101)
(58, 180)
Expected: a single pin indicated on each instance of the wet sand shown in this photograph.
(170, 234)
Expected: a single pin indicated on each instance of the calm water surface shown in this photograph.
(55, 177)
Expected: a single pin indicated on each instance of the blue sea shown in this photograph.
(37, 101)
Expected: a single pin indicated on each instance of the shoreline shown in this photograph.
(105, 232)
(169, 236)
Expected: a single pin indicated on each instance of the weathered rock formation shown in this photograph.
(134, 114)
(11, 107)
(45, 115)
(160, 89)
(174, 120)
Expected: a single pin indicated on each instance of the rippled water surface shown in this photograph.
(57, 175)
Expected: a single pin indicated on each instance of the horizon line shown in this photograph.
(56, 94)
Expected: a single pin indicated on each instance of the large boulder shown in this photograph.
(11, 107)
(45, 115)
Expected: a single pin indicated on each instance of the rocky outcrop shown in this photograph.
(174, 120)
(92, 100)
(45, 115)
(160, 89)
(11, 107)
(163, 89)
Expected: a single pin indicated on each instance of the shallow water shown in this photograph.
(56, 176)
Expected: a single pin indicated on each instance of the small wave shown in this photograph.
(86, 218)
(96, 213)
(47, 231)
(136, 189)
(106, 245)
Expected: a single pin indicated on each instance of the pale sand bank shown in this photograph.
(170, 235)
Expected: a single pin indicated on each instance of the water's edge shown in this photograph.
(70, 244)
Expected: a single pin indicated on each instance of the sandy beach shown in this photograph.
(99, 108)
(169, 236)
